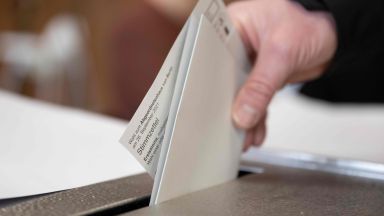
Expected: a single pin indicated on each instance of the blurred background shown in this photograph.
(96, 55)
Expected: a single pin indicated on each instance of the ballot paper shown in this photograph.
(182, 132)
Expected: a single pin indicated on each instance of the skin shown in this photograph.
(177, 11)
(289, 44)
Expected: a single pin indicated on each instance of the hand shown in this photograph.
(290, 44)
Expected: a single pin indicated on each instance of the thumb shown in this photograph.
(268, 75)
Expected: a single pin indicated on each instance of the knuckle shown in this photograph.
(259, 91)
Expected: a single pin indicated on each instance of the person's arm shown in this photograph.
(356, 73)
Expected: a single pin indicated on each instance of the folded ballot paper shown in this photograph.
(182, 132)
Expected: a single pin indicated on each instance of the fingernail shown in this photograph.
(246, 116)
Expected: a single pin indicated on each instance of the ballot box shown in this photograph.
(274, 190)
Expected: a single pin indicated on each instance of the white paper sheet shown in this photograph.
(145, 132)
(46, 148)
(205, 147)
(350, 131)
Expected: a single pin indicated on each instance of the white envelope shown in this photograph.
(182, 132)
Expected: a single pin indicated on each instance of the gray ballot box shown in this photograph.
(298, 186)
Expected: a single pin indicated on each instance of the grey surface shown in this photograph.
(280, 191)
(276, 191)
(86, 200)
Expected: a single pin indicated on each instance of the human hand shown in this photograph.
(290, 44)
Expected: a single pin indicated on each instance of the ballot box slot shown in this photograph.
(124, 208)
